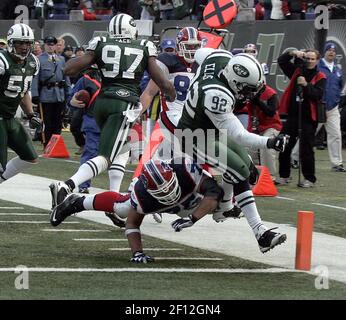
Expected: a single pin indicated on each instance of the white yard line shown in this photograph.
(73, 230)
(145, 269)
(22, 214)
(105, 240)
(329, 206)
(147, 249)
(189, 258)
(12, 208)
(35, 222)
(232, 237)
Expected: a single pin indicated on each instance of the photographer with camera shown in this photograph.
(300, 102)
(50, 88)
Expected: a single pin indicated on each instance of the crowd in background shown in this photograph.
(166, 9)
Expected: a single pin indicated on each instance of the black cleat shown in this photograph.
(59, 190)
(72, 204)
(269, 239)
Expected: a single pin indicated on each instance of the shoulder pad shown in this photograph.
(93, 43)
(218, 99)
(4, 65)
(151, 49)
(37, 62)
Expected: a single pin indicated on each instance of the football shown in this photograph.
(83, 95)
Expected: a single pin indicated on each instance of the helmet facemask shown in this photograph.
(161, 182)
(187, 49)
(12, 43)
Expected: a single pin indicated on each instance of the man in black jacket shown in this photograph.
(301, 97)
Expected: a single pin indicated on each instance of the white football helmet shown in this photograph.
(244, 75)
(122, 26)
(20, 32)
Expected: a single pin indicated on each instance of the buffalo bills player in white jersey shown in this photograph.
(180, 69)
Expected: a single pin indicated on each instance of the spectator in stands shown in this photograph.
(332, 95)
(38, 48)
(259, 10)
(267, 4)
(3, 44)
(80, 51)
(294, 9)
(60, 46)
(68, 53)
(51, 87)
(88, 11)
(197, 9)
(307, 83)
(150, 10)
(277, 13)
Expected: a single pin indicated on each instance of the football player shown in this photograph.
(122, 60)
(17, 67)
(178, 187)
(219, 137)
(180, 69)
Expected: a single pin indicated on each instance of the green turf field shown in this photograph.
(33, 245)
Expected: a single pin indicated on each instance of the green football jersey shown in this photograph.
(209, 94)
(122, 63)
(15, 81)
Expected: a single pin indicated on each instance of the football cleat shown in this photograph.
(117, 221)
(221, 216)
(269, 239)
(72, 204)
(157, 217)
(59, 190)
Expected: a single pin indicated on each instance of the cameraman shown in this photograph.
(302, 95)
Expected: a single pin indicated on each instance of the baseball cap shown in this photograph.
(3, 41)
(50, 39)
(167, 43)
(329, 45)
(68, 48)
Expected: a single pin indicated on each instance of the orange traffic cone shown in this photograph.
(265, 186)
(56, 148)
(154, 142)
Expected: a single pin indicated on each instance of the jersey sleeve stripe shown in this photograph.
(219, 55)
(189, 109)
(4, 60)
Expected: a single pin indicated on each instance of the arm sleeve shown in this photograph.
(286, 65)
(235, 130)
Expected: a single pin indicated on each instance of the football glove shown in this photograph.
(182, 223)
(278, 143)
(141, 257)
(34, 120)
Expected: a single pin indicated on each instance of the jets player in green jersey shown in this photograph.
(122, 60)
(219, 136)
(17, 68)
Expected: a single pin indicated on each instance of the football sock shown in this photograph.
(13, 167)
(88, 170)
(226, 202)
(246, 201)
(116, 171)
